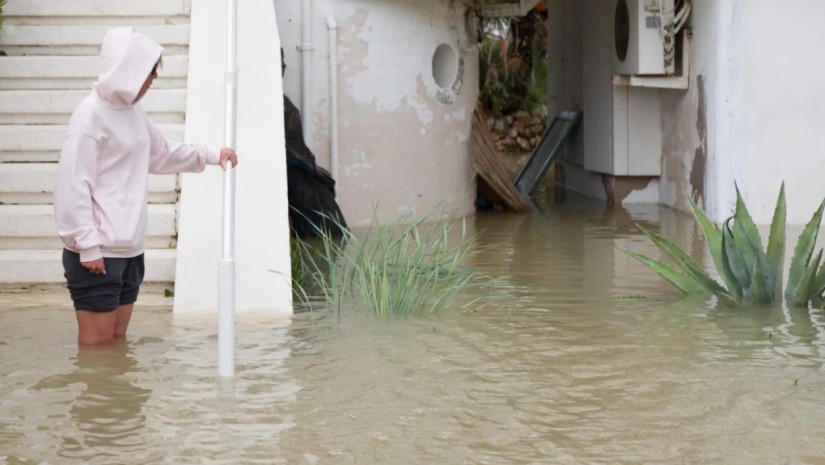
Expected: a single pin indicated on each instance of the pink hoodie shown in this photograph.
(110, 149)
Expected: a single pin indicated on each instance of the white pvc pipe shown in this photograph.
(306, 69)
(226, 264)
(333, 102)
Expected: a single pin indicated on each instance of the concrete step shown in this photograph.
(96, 8)
(26, 107)
(68, 72)
(33, 183)
(36, 143)
(32, 227)
(84, 40)
(30, 268)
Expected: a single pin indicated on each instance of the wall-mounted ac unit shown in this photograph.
(643, 32)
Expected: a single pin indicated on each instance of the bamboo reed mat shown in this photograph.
(494, 182)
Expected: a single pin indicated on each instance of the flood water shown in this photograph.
(582, 356)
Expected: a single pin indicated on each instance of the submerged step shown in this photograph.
(22, 268)
(94, 8)
(17, 140)
(84, 40)
(69, 72)
(33, 183)
(26, 107)
(33, 227)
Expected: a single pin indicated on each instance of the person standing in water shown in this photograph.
(100, 198)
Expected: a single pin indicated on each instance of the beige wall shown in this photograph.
(404, 140)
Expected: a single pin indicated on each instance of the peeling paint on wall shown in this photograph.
(403, 138)
(698, 170)
(630, 189)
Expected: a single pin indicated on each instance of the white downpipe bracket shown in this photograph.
(306, 69)
(333, 102)
(226, 264)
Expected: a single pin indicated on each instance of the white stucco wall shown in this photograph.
(771, 111)
(689, 118)
(262, 260)
(755, 110)
(404, 141)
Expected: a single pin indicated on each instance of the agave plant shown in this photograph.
(749, 272)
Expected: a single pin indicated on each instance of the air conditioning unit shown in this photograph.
(643, 32)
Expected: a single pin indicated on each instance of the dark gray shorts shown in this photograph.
(105, 292)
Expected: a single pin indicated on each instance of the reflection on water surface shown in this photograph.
(587, 358)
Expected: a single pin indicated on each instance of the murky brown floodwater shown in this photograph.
(566, 368)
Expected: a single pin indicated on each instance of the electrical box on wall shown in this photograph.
(637, 134)
(643, 36)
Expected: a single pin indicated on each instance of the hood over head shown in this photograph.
(126, 60)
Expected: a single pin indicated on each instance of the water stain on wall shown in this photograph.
(411, 154)
(697, 173)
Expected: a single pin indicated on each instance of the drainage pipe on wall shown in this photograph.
(226, 264)
(332, 26)
(306, 68)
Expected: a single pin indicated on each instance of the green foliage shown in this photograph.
(2, 3)
(750, 274)
(513, 67)
(405, 267)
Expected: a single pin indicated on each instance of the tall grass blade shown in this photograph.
(733, 265)
(803, 293)
(683, 281)
(802, 253)
(693, 269)
(400, 268)
(776, 242)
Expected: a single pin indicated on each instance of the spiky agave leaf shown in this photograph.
(760, 284)
(818, 282)
(743, 217)
(690, 266)
(749, 241)
(803, 293)
(802, 253)
(713, 236)
(776, 242)
(819, 285)
(683, 281)
(733, 264)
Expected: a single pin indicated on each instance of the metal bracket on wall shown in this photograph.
(507, 8)
(678, 81)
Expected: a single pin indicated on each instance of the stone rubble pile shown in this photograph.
(519, 132)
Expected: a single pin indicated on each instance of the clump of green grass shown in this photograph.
(407, 266)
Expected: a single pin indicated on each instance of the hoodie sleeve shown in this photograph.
(76, 178)
(167, 157)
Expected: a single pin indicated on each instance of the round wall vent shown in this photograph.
(621, 29)
(445, 66)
